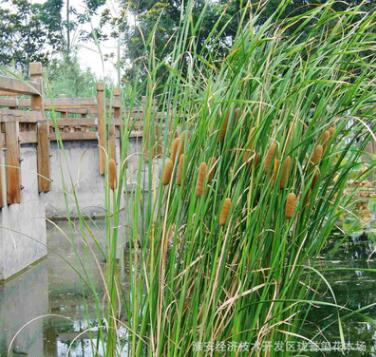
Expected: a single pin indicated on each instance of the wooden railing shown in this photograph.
(33, 119)
(10, 138)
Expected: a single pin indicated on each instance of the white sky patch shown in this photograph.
(89, 55)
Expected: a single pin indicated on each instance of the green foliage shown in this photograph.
(217, 23)
(66, 78)
(194, 280)
(29, 32)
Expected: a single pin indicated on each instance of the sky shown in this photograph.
(88, 53)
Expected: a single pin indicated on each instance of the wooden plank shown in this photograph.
(7, 94)
(16, 86)
(75, 136)
(112, 130)
(21, 116)
(63, 104)
(2, 172)
(85, 122)
(28, 137)
(43, 131)
(58, 105)
(13, 170)
(101, 128)
(43, 155)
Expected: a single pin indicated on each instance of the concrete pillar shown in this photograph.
(23, 225)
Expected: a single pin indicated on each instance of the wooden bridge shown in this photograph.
(35, 180)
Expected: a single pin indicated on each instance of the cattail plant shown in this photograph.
(179, 174)
(225, 211)
(332, 130)
(291, 203)
(317, 154)
(325, 137)
(202, 173)
(286, 167)
(112, 174)
(315, 178)
(270, 156)
(212, 284)
(275, 169)
(167, 172)
(176, 149)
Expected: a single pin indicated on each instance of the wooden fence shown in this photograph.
(27, 120)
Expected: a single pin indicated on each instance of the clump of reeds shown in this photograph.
(223, 215)
(167, 172)
(201, 178)
(112, 174)
(291, 203)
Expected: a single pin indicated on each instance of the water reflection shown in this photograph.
(352, 276)
(21, 300)
(66, 288)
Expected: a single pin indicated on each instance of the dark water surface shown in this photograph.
(63, 306)
(53, 294)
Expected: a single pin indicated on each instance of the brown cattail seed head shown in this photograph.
(315, 179)
(112, 174)
(286, 167)
(224, 211)
(290, 205)
(179, 174)
(275, 169)
(202, 173)
(325, 137)
(176, 149)
(257, 159)
(167, 172)
(317, 154)
(223, 130)
(332, 130)
(270, 156)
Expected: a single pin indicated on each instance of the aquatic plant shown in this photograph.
(210, 269)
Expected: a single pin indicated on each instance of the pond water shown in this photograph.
(53, 291)
(51, 288)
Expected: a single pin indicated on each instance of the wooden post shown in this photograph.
(117, 113)
(3, 178)
(13, 170)
(43, 142)
(101, 127)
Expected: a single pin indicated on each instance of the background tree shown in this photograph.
(29, 32)
(165, 16)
